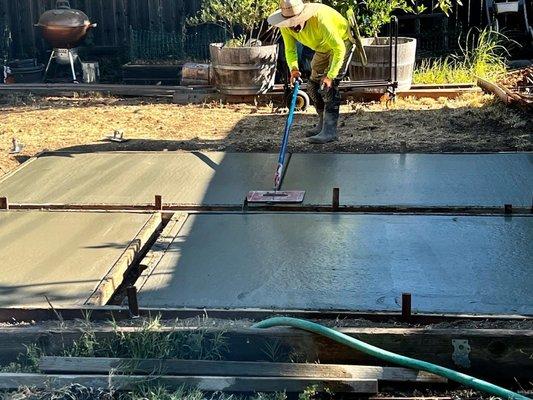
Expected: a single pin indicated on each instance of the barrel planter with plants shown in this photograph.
(244, 70)
(245, 64)
(378, 55)
(372, 16)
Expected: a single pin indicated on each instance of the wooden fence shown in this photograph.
(114, 17)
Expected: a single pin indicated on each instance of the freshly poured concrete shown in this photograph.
(347, 262)
(422, 180)
(61, 255)
(136, 177)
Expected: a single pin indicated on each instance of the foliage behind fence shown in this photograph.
(115, 18)
(166, 18)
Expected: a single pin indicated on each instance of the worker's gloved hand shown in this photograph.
(296, 76)
(327, 83)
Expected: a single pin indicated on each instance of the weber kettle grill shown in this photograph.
(64, 28)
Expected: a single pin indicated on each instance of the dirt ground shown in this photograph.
(472, 123)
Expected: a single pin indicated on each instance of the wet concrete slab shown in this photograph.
(474, 265)
(136, 177)
(419, 180)
(61, 255)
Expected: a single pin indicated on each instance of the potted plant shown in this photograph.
(371, 16)
(246, 63)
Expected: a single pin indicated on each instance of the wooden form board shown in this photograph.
(508, 349)
(77, 365)
(208, 384)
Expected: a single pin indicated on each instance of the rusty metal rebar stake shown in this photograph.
(406, 306)
(335, 203)
(158, 203)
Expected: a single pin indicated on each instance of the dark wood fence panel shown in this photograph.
(114, 18)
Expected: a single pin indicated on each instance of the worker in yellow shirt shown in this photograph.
(330, 35)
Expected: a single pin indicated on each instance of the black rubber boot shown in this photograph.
(313, 90)
(332, 99)
(329, 131)
(319, 126)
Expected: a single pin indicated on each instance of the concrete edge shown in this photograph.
(114, 277)
(159, 249)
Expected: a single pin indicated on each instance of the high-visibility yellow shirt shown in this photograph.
(325, 32)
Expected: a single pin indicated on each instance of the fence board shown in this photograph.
(114, 18)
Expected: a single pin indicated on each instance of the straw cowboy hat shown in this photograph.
(292, 13)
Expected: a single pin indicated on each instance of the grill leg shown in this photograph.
(48, 65)
(71, 59)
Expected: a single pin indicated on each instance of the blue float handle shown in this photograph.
(286, 136)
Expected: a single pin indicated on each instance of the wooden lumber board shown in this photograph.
(509, 350)
(127, 90)
(208, 384)
(411, 398)
(397, 209)
(118, 313)
(75, 365)
(115, 276)
(494, 89)
(437, 93)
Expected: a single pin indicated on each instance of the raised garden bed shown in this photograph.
(152, 72)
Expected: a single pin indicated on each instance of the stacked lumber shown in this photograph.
(211, 376)
(515, 88)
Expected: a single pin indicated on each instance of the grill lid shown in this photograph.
(64, 16)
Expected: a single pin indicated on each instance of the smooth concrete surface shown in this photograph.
(420, 180)
(60, 255)
(347, 262)
(136, 177)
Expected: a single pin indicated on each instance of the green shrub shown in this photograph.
(242, 20)
(372, 15)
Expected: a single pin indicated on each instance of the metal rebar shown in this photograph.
(406, 306)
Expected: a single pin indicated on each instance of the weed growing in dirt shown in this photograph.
(27, 362)
(151, 341)
(147, 392)
(483, 54)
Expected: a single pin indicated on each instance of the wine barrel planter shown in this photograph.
(146, 73)
(378, 54)
(244, 70)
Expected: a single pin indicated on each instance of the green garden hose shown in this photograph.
(388, 356)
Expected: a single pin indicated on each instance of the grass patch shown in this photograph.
(482, 55)
(143, 392)
(160, 393)
(26, 363)
(148, 341)
(143, 342)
